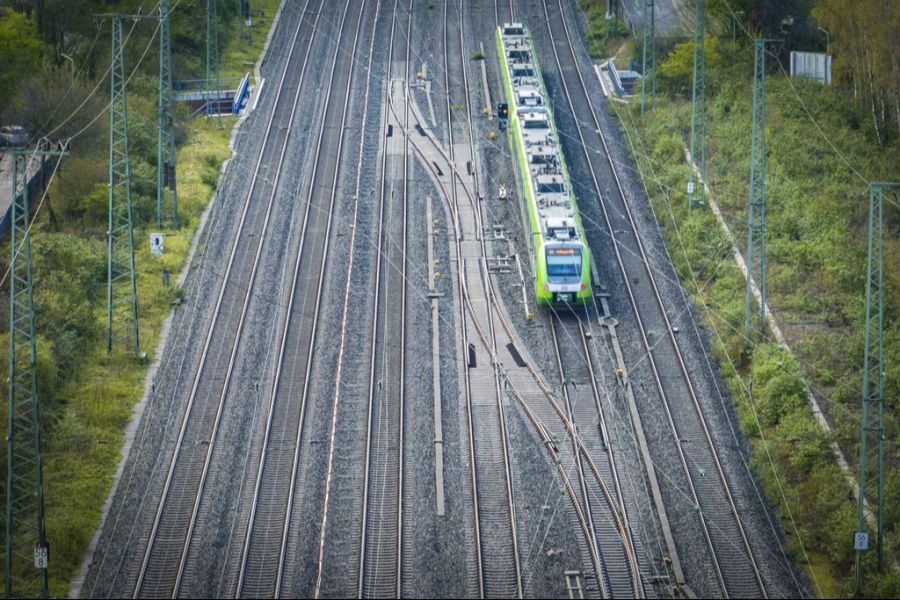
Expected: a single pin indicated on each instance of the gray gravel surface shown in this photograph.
(437, 562)
(548, 530)
(779, 575)
(342, 547)
(125, 534)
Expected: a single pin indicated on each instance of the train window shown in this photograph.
(535, 122)
(522, 71)
(550, 184)
(564, 264)
(529, 97)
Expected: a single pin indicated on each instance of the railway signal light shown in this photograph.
(503, 111)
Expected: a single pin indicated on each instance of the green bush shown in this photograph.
(777, 388)
(676, 72)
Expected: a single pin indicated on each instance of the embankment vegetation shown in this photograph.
(55, 59)
(825, 144)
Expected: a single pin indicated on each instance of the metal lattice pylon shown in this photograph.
(26, 542)
(212, 56)
(165, 162)
(756, 210)
(698, 111)
(871, 443)
(649, 35)
(121, 316)
(246, 20)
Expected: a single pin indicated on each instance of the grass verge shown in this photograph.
(813, 290)
(92, 407)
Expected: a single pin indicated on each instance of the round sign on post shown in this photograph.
(157, 240)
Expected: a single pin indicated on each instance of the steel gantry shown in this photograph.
(871, 442)
(649, 36)
(212, 57)
(165, 156)
(698, 111)
(121, 314)
(27, 551)
(246, 20)
(756, 210)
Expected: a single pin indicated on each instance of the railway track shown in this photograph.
(503, 12)
(736, 570)
(381, 547)
(581, 394)
(163, 563)
(269, 554)
(525, 384)
(501, 574)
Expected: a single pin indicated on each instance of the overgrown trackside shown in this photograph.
(86, 395)
(816, 249)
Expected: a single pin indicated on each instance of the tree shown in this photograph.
(677, 70)
(866, 58)
(20, 51)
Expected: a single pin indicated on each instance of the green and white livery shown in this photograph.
(560, 255)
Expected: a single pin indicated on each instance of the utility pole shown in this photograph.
(612, 17)
(756, 212)
(212, 56)
(616, 11)
(27, 551)
(165, 156)
(121, 296)
(649, 32)
(871, 443)
(246, 20)
(698, 108)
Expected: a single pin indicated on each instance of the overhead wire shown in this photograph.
(36, 211)
(803, 105)
(744, 387)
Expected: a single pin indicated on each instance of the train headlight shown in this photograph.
(546, 287)
(583, 286)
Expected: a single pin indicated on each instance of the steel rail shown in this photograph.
(450, 195)
(376, 585)
(610, 457)
(167, 574)
(260, 485)
(283, 426)
(547, 392)
(580, 467)
(464, 308)
(707, 510)
(541, 429)
(614, 498)
(318, 304)
(501, 417)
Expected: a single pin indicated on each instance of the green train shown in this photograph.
(559, 252)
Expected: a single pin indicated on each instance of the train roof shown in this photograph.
(549, 184)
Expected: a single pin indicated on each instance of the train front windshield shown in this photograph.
(564, 265)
